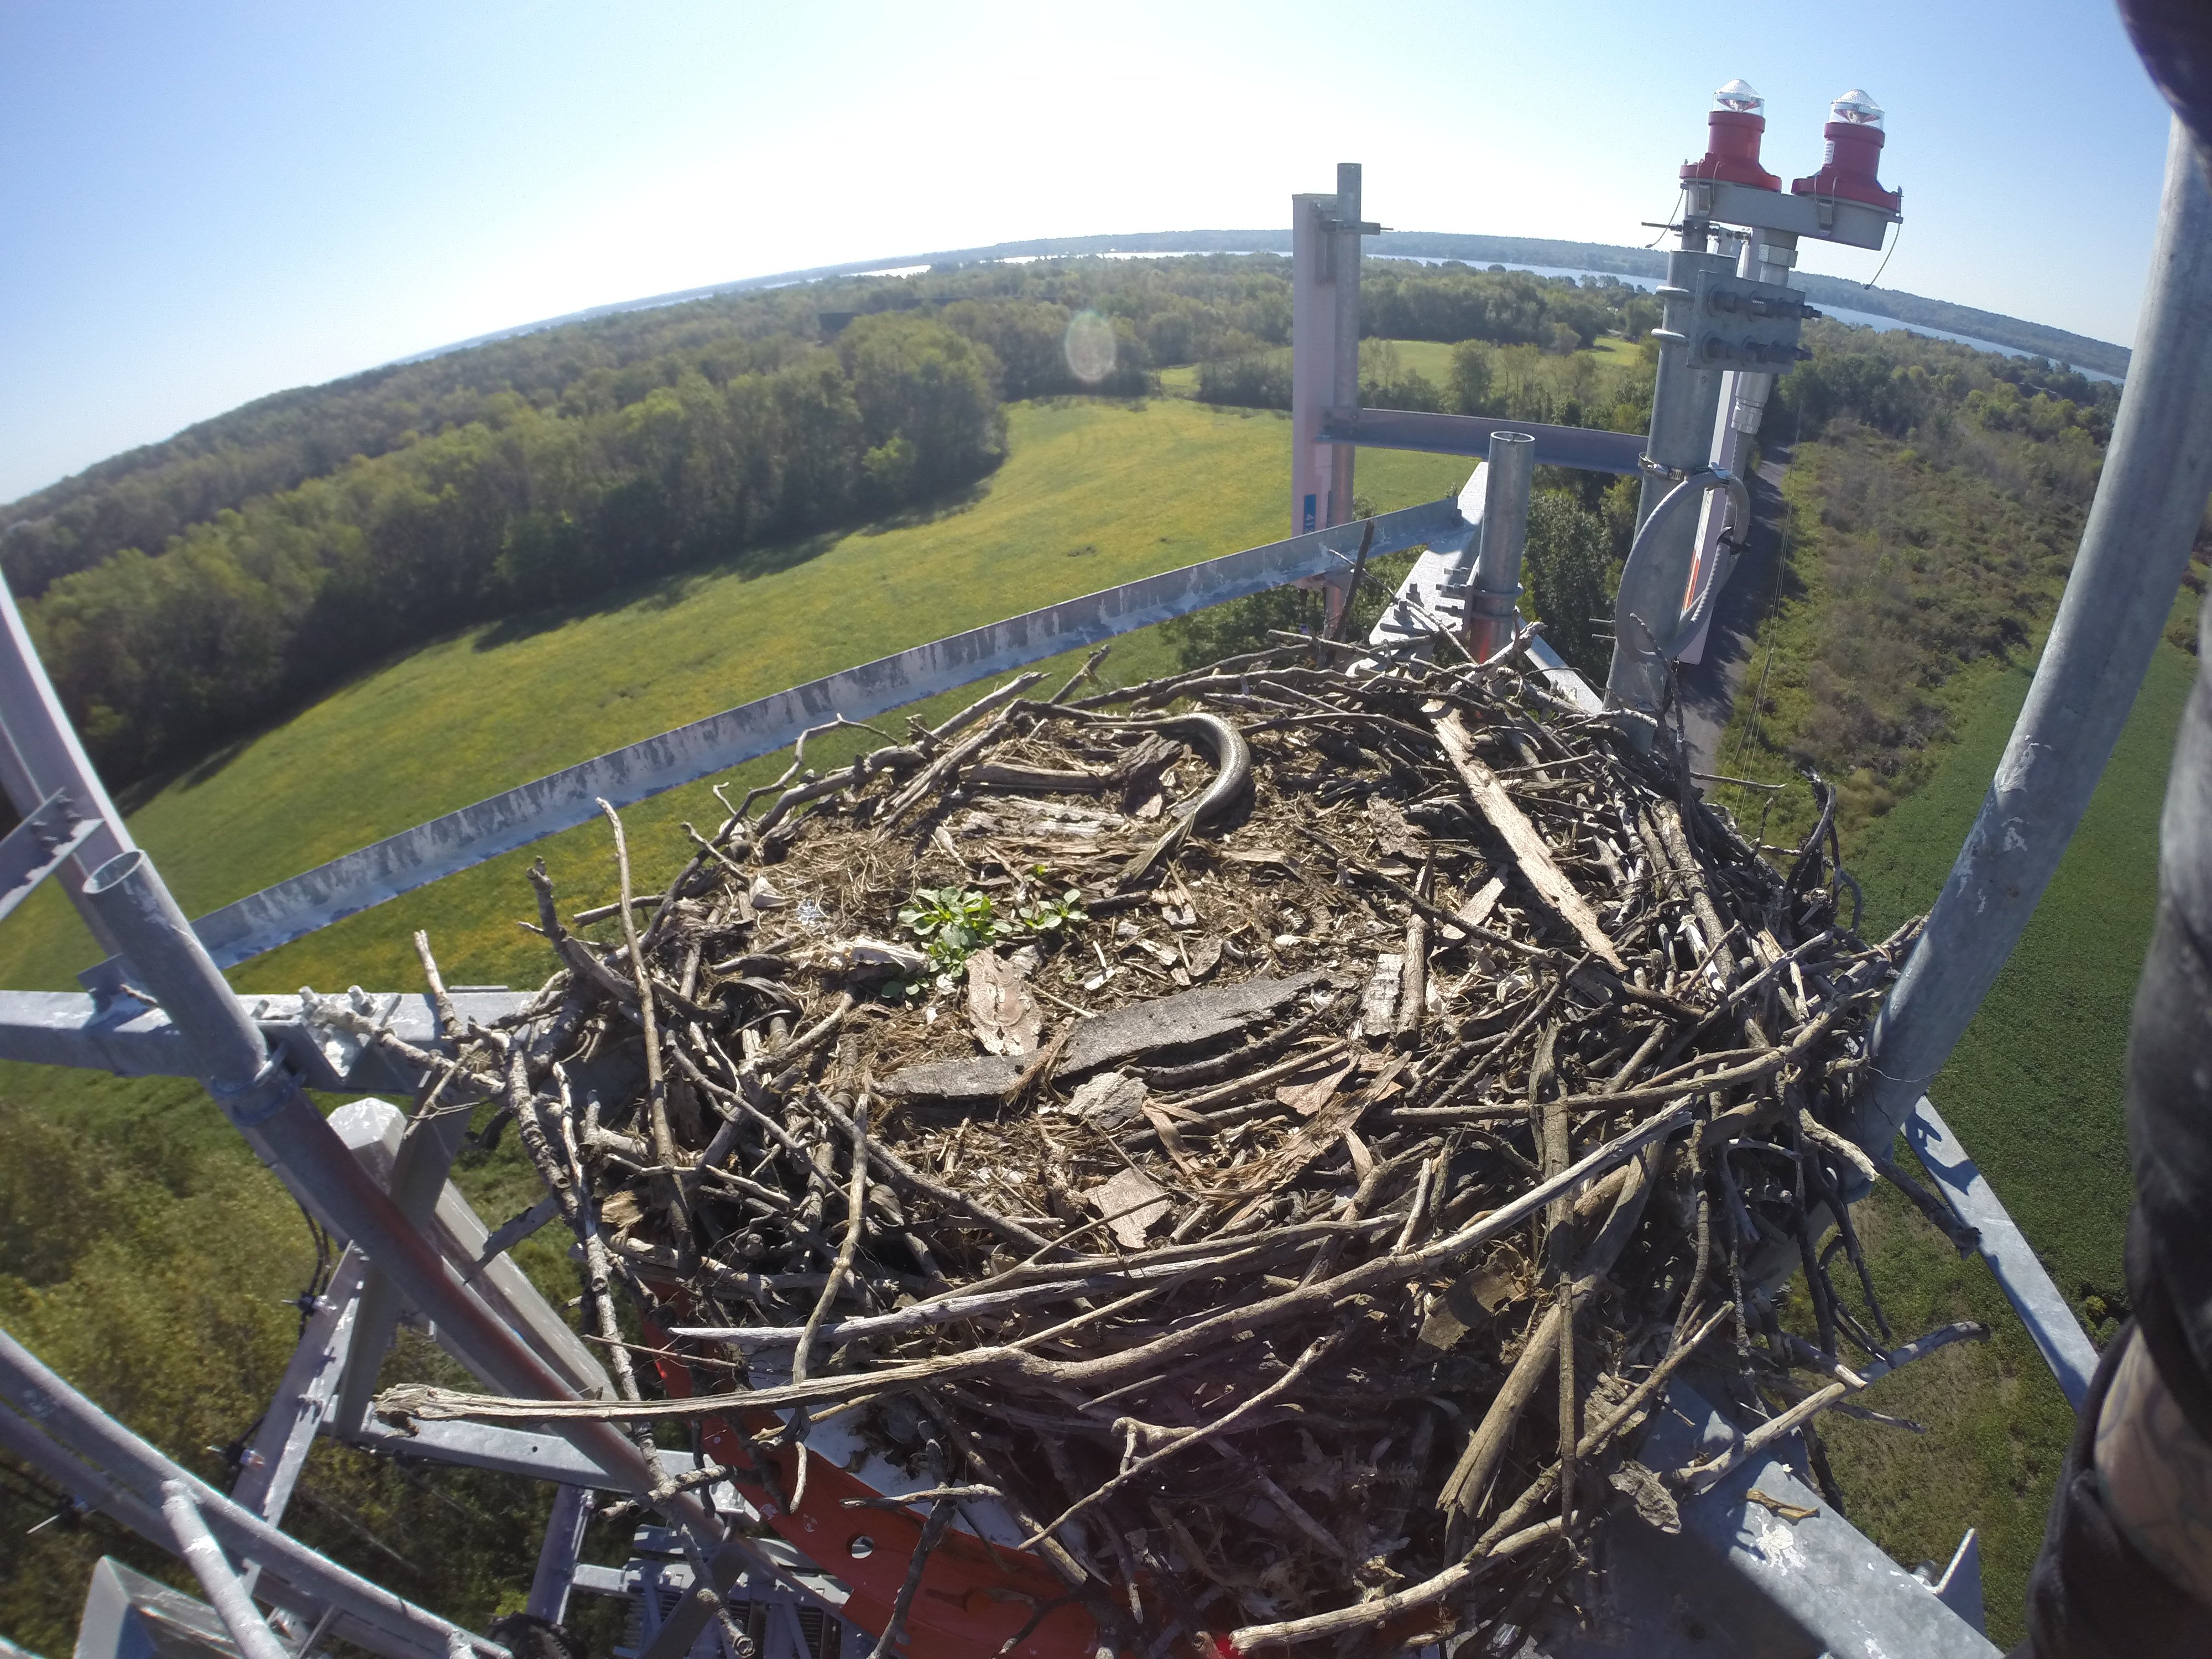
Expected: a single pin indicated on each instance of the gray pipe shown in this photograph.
(2149, 501)
(226, 1593)
(83, 1429)
(1495, 592)
(268, 1106)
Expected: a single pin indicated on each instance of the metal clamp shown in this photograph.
(260, 1099)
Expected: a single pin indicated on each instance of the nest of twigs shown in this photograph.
(1275, 1129)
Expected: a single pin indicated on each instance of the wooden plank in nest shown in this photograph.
(1525, 841)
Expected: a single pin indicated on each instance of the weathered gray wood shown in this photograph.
(1525, 840)
(1180, 1021)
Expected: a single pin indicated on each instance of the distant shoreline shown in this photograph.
(2040, 339)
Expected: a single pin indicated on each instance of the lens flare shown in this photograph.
(1089, 347)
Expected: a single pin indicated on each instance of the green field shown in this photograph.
(1094, 492)
(2034, 1090)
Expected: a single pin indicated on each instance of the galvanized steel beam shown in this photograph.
(40, 756)
(1766, 1584)
(279, 1451)
(133, 1039)
(40, 845)
(272, 1111)
(369, 1615)
(1592, 450)
(2047, 1314)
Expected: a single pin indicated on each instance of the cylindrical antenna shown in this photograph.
(1489, 619)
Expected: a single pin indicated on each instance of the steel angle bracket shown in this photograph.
(529, 812)
(1744, 323)
(1756, 1565)
(36, 847)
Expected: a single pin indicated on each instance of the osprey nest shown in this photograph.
(1267, 1137)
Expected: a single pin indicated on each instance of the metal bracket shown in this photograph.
(279, 1452)
(37, 846)
(1742, 323)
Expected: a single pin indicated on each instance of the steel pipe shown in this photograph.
(1491, 617)
(264, 1100)
(369, 1611)
(2150, 499)
(226, 1592)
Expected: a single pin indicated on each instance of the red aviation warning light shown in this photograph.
(1855, 140)
(1733, 132)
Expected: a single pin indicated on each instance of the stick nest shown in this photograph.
(1479, 1076)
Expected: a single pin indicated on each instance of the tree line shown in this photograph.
(184, 592)
(1161, 313)
(246, 614)
(554, 466)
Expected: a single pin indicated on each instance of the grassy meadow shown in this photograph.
(1094, 492)
(2033, 1090)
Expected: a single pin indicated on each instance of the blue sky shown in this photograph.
(209, 201)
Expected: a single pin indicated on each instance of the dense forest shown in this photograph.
(183, 592)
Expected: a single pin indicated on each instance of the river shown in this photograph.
(1841, 313)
